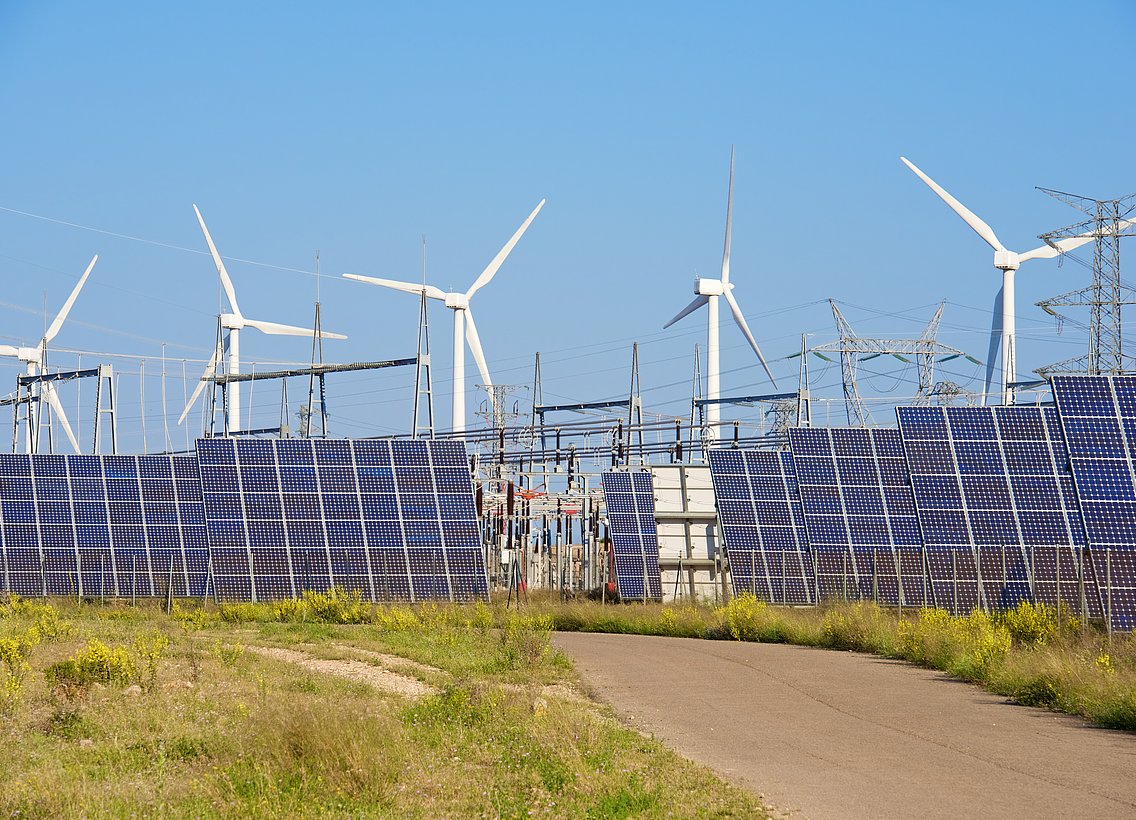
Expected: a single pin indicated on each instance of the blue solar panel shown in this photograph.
(996, 507)
(859, 514)
(101, 525)
(759, 510)
(394, 520)
(630, 501)
(1098, 416)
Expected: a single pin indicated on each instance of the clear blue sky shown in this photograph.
(356, 128)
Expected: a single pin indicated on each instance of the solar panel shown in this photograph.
(759, 509)
(394, 520)
(996, 507)
(859, 514)
(1098, 416)
(630, 501)
(101, 525)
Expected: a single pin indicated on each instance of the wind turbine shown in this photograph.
(231, 325)
(1002, 328)
(34, 358)
(707, 292)
(463, 318)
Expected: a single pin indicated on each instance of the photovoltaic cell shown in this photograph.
(101, 525)
(996, 507)
(1098, 416)
(394, 520)
(759, 509)
(630, 501)
(859, 514)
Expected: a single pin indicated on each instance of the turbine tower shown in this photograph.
(463, 319)
(35, 358)
(1002, 329)
(231, 325)
(707, 292)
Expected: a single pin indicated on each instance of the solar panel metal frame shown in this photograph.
(996, 508)
(1098, 419)
(629, 500)
(762, 526)
(394, 520)
(859, 514)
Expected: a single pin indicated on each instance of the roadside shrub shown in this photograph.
(967, 647)
(192, 620)
(862, 626)
(243, 613)
(14, 667)
(748, 619)
(95, 663)
(1030, 624)
(396, 619)
(336, 606)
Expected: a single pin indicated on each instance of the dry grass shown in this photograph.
(220, 731)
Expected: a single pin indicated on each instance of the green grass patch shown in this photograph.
(214, 729)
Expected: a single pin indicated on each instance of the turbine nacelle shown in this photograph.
(1007, 260)
(457, 301)
(29, 355)
(710, 287)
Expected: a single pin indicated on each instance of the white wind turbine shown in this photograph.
(1002, 329)
(231, 325)
(463, 318)
(707, 292)
(33, 358)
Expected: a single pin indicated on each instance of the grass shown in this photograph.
(1028, 654)
(112, 711)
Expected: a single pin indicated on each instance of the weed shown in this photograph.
(1030, 624)
(228, 653)
(526, 641)
(95, 663)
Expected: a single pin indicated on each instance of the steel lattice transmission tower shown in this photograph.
(1107, 295)
(854, 349)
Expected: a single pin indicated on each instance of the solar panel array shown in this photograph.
(394, 520)
(102, 525)
(1098, 414)
(759, 509)
(630, 501)
(996, 506)
(859, 514)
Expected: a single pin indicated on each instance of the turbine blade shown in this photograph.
(9, 350)
(729, 223)
(407, 287)
(47, 390)
(226, 282)
(741, 322)
(277, 329)
(968, 216)
(698, 302)
(1066, 245)
(995, 346)
(474, 342)
(210, 369)
(58, 323)
(491, 269)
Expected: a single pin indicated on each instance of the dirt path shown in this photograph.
(824, 734)
(383, 679)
